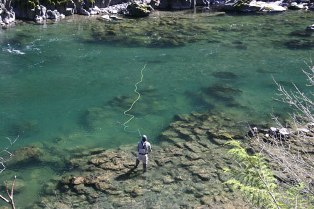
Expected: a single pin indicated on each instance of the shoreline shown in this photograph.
(139, 9)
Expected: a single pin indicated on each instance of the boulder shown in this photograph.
(54, 15)
(253, 7)
(78, 180)
(83, 11)
(105, 17)
(6, 16)
(115, 17)
(39, 19)
(41, 11)
(69, 11)
(138, 10)
(94, 11)
(154, 3)
(310, 28)
(296, 6)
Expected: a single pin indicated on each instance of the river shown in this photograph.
(72, 85)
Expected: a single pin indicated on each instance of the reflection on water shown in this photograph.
(64, 87)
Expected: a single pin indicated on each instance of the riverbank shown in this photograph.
(56, 10)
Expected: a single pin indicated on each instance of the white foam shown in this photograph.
(14, 51)
(11, 50)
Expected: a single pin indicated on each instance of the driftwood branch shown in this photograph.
(5, 154)
(10, 199)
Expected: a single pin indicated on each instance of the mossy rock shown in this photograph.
(138, 10)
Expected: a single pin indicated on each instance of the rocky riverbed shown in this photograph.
(185, 171)
(186, 167)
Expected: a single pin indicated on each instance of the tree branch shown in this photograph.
(10, 199)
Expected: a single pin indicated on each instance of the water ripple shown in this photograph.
(11, 50)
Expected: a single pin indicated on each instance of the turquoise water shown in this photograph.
(64, 91)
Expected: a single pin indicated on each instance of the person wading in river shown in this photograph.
(143, 148)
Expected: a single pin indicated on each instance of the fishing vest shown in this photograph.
(142, 148)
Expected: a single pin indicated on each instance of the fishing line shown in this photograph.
(139, 132)
(138, 97)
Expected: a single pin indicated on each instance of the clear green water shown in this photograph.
(51, 75)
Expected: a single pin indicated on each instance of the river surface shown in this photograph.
(64, 88)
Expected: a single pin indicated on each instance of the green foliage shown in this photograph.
(33, 3)
(252, 177)
(53, 2)
(255, 180)
(298, 197)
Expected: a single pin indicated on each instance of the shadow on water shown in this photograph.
(226, 75)
(222, 91)
(197, 100)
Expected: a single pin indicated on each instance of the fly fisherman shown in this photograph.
(143, 148)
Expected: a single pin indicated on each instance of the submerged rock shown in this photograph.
(177, 169)
(225, 75)
(19, 185)
(302, 33)
(225, 93)
(26, 155)
(299, 44)
(23, 128)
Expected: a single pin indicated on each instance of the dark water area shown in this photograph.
(67, 87)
